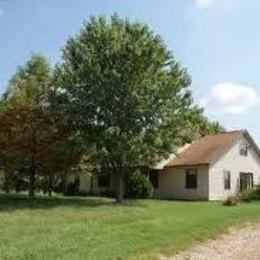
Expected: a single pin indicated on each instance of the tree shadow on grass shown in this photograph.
(12, 202)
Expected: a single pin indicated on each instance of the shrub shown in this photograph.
(245, 196)
(256, 192)
(230, 201)
(138, 186)
(250, 195)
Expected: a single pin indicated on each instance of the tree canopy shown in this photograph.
(117, 100)
(31, 139)
(124, 92)
(31, 81)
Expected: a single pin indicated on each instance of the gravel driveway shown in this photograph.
(238, 244)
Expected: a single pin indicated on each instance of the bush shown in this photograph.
(245, 196)
(250, 195)
(230, 201)
(138, 186)
(257, 192)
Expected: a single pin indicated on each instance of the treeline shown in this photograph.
(118, 99)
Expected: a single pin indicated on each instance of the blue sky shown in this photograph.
(218, 41)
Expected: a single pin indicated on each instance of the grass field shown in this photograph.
(96, 228)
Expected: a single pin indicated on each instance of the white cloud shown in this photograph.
(233, 98)
(204, 3)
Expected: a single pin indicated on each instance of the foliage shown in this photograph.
(31, 134)
(124, 93)
(15, 180)
(249, 195)
(24, 119)
(199, 126)
(118, 96)
(28, 139)
(31, 82)
(230, 201)
(256, 191)
(208, 127)
(138, 186)
(245, 196)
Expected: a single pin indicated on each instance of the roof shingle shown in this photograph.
(206, 149)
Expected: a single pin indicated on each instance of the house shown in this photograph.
(98, 182)
(211, 168)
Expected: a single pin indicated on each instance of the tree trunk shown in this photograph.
(33, 165)
(50, 185)
(32, 182)
(120, 178)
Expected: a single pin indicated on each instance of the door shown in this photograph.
(246, 181)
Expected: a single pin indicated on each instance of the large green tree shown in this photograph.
(125, 94)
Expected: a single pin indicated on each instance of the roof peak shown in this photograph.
(208, 149)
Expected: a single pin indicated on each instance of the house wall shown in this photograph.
(172, 181)
(84, 182)
(235, 163)
(101, 190)
(88, 183)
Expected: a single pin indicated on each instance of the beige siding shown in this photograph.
(85, 183)
(71, 178)
(235, 163)
(172, 184)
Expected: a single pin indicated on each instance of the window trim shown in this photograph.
(227, 173)
(243, 149)
(191, 171)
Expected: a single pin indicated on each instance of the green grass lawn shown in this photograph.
(96, 228)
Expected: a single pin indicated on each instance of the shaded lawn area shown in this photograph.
(97, 228)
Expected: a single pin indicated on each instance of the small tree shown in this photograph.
(26, 99)
(28, 139)
(124, 93)
(31, 132)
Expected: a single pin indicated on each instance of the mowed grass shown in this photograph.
(97, 228)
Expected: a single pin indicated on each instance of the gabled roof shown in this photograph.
(209, 148)
(161, 164)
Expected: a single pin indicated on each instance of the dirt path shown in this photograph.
(239, 244)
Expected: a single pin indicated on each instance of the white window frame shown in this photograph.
(243, 149)
(225, 174)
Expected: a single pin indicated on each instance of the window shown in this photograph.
(191, 178)
(246, 181)
(103, 180)
(243, 149)
(227, 180)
